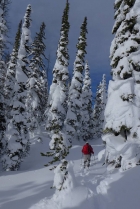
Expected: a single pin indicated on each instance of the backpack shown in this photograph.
(87, 149)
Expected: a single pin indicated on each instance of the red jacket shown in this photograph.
(87, 149)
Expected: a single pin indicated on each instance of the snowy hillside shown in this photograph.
(96, 188)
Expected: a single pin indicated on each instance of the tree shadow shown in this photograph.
(25, 195)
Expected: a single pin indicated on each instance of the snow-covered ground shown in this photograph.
(95, 189)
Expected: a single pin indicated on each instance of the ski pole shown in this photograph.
(94, 159)
(81, 159)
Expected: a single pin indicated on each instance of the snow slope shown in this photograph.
(94, 189)
(120, 190)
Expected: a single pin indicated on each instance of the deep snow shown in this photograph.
(94, 189)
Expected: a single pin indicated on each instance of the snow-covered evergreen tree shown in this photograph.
(17, 131)
(57, 107)
(103, 101)
(122, 112)
(96, 113)
(10, 75)
(35, 97)
(3, 31)
(56, 113)
(5, 5)
(74, 115)
(87, 112)
(99, 108)
(125, 64)
(126, 41)
(44, 89)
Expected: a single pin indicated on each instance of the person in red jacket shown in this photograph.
(87, 150)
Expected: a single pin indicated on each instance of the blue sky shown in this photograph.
(100, 14)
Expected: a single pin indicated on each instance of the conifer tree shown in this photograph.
(10, 75)
(44, 95)
(3, 31)
(122, 111)
(126, 41)
(73, 119)
(99, 108)
(103, 101)
(87, 112)
(5, 8)
(125, 63)
(60, 70)
(17, 131)
(96, 113)
(57, 106)
(35, 84)
(56, 112)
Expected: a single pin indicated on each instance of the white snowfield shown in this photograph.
(97, 188)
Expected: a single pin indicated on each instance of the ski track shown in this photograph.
(92, 178)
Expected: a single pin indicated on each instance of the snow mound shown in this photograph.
(103, 187)
(72, 195)
(120, 153)
(101, 155)
(65, 182)
(77, 198)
